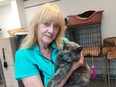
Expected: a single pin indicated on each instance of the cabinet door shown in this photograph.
(7, 52)
(11, 82)
(9, 46)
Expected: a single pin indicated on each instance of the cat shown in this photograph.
(70, 53)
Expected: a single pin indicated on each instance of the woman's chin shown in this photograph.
(48, 41)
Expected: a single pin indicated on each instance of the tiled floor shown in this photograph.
(97, 83)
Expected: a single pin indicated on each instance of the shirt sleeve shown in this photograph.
(65, 39)
(23, 66)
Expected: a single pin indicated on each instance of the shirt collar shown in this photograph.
(37, 48)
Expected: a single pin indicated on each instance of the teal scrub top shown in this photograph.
(29, 62)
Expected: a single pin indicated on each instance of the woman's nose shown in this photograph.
(51, 29)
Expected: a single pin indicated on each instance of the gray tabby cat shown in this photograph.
(70, 53)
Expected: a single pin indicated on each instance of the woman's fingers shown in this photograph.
(88, 68)
(77, 64)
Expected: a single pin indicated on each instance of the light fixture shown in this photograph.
(1, 0)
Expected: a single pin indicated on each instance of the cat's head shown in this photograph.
(71, 51)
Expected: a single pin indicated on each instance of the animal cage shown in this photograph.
(101, 78)
(87, 33)
(111, 69)
(86, 30)
(88, 36)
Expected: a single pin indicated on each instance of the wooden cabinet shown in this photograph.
(9, 47)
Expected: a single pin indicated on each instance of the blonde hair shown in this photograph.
(48, 12)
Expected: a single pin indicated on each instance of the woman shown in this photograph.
(35, 60)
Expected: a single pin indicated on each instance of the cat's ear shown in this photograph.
(79, 48)
(64, 43)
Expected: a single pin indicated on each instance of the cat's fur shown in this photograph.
(70, 53)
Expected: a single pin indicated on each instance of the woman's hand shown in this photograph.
(77, 64)
(74, 67)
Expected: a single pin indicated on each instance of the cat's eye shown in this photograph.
(60, 55)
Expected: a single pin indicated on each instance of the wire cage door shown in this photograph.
(88, 36)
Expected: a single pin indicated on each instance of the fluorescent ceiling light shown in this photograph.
(1, 0)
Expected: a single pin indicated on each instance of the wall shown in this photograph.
(6, 21)
(69, 7)
(12, 16)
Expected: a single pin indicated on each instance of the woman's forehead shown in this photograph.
(52, 20)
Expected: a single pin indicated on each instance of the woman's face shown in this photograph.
(47, 32)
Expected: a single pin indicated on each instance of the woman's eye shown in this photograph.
(46, 24)
(56, 26)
